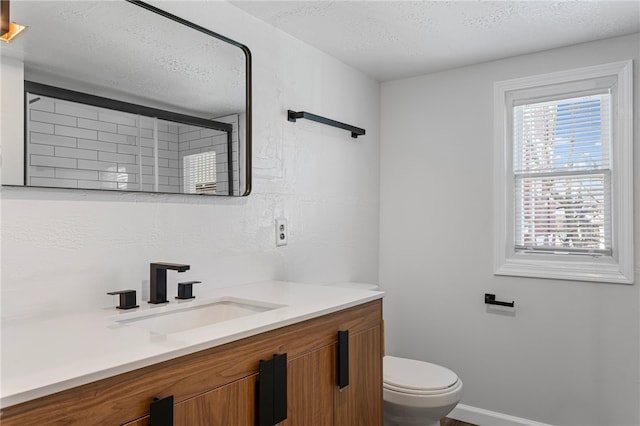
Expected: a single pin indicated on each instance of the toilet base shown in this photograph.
(398, 415)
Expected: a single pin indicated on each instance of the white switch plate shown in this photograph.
(282, 232)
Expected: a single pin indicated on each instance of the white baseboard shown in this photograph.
(481, 417)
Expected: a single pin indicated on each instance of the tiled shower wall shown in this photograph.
(195, 140)
(74, 145)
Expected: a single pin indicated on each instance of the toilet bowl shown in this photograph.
(417, 393)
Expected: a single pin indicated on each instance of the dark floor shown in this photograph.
(452, 422)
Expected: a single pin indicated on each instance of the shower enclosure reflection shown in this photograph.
(74, 142)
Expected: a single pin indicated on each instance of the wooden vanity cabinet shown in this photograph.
(217, 386)
(140, 422)
(365, 378)
(232, 404)
(314, 397)
(311, 385)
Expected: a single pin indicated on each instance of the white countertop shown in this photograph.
(47, 354)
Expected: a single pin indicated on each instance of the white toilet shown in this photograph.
(415, 393)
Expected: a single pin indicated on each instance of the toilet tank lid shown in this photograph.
(416, 375)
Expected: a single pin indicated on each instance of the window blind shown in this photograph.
(200, 173)
(562, 170)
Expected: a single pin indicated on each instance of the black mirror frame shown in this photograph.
(70, 95)
(247, 54)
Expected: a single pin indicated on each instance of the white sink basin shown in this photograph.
(186, 316)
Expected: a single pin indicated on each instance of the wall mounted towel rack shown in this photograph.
(294, 115)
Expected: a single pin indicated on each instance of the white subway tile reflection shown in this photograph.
(81, 146)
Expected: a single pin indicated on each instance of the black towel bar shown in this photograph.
(490, 299)
(294, 115)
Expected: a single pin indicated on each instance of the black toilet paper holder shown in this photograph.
(490, 299)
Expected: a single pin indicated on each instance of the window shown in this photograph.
(200, 173)
(563, 175)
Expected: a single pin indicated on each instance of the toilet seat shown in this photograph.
(417, 392)
(423, 392)
(415, 377)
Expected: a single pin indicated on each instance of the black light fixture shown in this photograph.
(8, 30)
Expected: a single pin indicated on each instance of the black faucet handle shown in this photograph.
(185, 290)
(127, 299)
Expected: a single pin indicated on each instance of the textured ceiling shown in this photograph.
(396, 39)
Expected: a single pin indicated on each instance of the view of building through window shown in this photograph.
(562, 174)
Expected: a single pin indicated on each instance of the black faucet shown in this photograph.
(158, 281)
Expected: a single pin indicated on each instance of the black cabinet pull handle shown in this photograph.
(279, 388)
(161, 412)
(343, 359)
(265, 393)
(272, 390)
(490, 299)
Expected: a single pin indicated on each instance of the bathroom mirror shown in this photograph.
(123, 96)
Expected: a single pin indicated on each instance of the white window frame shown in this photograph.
(616, 268)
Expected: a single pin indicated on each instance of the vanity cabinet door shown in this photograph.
(360, 403)
(310, 393)
(140, 422)
(228, 405)
(314, 397)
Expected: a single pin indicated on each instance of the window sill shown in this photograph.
(601, 269)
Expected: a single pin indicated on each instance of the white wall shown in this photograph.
(11, 88)
(65, 249)
(571, 353)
